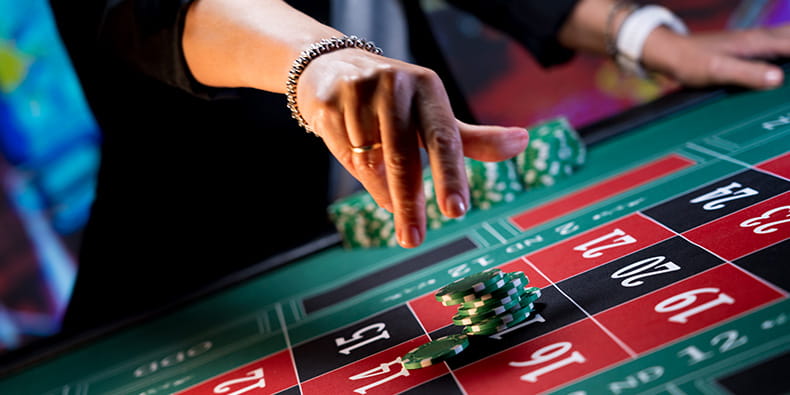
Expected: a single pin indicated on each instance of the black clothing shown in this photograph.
(198, 182)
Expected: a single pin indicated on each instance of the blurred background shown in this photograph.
(49, 140)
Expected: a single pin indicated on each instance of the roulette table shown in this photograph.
(662, 263)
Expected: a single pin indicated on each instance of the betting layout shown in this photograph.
(668, 281)
(624, 290)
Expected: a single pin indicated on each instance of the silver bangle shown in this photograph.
(634, 31)
(610, 33)
(315, 50)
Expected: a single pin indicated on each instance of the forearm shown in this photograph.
(247, 43)
(586, 27)
(594, 23)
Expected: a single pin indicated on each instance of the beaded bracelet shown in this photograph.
(315, 50)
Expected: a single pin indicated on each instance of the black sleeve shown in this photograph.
(533, 23)
(145, 35)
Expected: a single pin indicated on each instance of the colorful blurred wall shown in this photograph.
(49, 140)
(48, 159)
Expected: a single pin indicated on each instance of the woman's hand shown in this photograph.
(719, 58)
(388, 110)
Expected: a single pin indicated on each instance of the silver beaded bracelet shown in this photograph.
(315, 50)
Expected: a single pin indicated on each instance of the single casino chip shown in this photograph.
(435, 351)
(530, 298)
(518, 278)
(468, 288)
(535, 291)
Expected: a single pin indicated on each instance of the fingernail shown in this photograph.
(456, 205)
(410, 237)
(773, 77)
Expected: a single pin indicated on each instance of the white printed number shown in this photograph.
(253, 375)
(685, 299)
(359, 335)
(614, 239)
(723, 195)
(550, 353)
(382, 369)
(762, 228)
(723, 342)
(636, 271)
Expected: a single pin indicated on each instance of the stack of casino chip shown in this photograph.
(490, 301)
(362, 222)
(491, 183)
(555, 150)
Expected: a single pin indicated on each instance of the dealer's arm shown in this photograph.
(696, 59)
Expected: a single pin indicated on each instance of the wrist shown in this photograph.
(618, 12)
(663, 51)
(637, 28)
(315, 50)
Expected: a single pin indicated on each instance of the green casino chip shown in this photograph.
(491, 183)
(435, 351)
(514, 287)
(530, 298)
(494, 299)
(555, 150)
(499, 296)
(467, 288)
(499, 289)
(500, 322)
(480, 314)
(362, 223)
(532, 291)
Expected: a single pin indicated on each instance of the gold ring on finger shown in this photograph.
(365, 148)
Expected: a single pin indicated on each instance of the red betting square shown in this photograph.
(380, 373)
(544, 363)
(779, 165)
(521, 265)
(265, 376)
(598, 246)
(686, 307)
(431, 313)
(603, 190)
(747, 230)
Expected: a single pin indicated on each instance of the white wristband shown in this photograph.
(634, 31)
